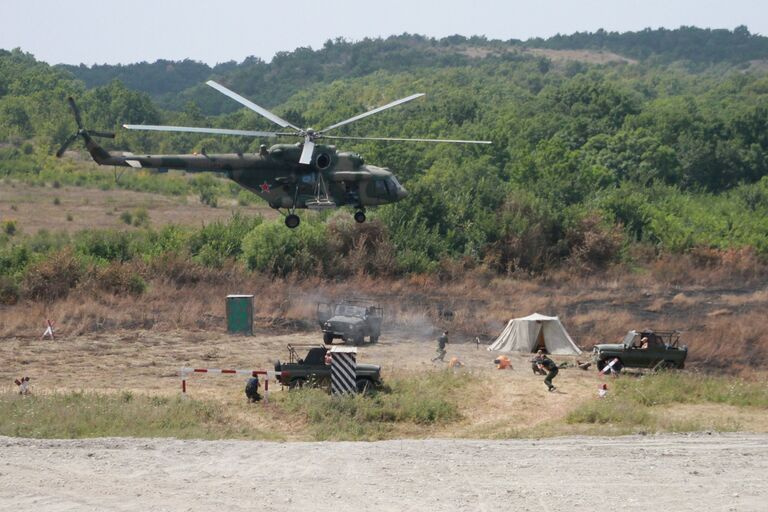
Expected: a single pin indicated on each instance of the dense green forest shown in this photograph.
(591, 164)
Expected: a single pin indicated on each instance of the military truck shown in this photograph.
(642, 349)
(351, 320)
(312, 370)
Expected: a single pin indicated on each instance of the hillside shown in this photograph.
(171, 84)
(598, 160)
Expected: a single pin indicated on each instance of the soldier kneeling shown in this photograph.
(252, 389)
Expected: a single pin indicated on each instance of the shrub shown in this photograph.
(140, 217)
(359, 248)
(105, 245)
(52, 277)
(593, 244)
(205, 185)
(9, 227)
(272, 248)
(118, 279)
(219, 241)
(9, 291)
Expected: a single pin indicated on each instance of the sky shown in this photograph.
(212, 31)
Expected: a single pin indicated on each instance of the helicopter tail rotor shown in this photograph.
(81, 132)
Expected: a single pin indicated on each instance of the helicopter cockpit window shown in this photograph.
(323, 161)
(381, 188)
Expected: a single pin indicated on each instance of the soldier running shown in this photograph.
(548, 365)
(442, 341)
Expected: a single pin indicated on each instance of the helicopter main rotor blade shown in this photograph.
(374, 111)
(66, 144)
(251, 105)
(395, 139)
(194, 129)
(108, 135)
(307, 151)
(75, 111)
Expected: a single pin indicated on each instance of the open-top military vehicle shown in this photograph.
(642, 349)
(313, 370)
(350, 320)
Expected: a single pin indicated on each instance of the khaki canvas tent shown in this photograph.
(530, 333)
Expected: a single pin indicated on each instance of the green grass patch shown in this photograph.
(421, 400)
(642, 402)
(81, 414)
(686, 388)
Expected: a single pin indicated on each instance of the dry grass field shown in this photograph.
(116, 344)
(72, 209)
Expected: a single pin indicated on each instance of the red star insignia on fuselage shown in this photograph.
(264, 187)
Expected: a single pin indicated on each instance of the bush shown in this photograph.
(9, 291)
(9, 227)
(359, 248)
(52, 277)
(205, 185)
(593, 243)
(279, 251)
(118, 279)
(220, 241)
(105, 245)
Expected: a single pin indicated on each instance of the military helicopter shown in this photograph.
(306, 174)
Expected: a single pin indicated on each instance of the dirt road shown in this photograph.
(668, 472)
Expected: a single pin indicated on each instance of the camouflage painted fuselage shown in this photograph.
(276, 176)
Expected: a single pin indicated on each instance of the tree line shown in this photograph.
(588, 162)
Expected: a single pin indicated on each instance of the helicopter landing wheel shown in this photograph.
(292, 220)
(360, 216)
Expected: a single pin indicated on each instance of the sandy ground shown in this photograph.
(507, 403)
(446, 471)
(698, 472)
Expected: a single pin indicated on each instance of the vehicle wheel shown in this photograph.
(292, 220)
(297, 383)
(327, 338)
(359, 216)
(374, 339)
(666, 365)
(600, 365)
(359, 340)
(364, 386)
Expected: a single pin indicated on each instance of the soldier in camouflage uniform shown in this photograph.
(548, 365)
(442, 341)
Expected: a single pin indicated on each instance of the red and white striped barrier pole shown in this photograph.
(268, 374)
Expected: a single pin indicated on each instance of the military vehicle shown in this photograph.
(288, 176)
(312, 370)
(350, 320)
(642, 349)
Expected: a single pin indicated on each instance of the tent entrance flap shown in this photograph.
(530, 333)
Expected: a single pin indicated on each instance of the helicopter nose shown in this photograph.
(401, 192)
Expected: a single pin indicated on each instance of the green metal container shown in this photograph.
(240, 314)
